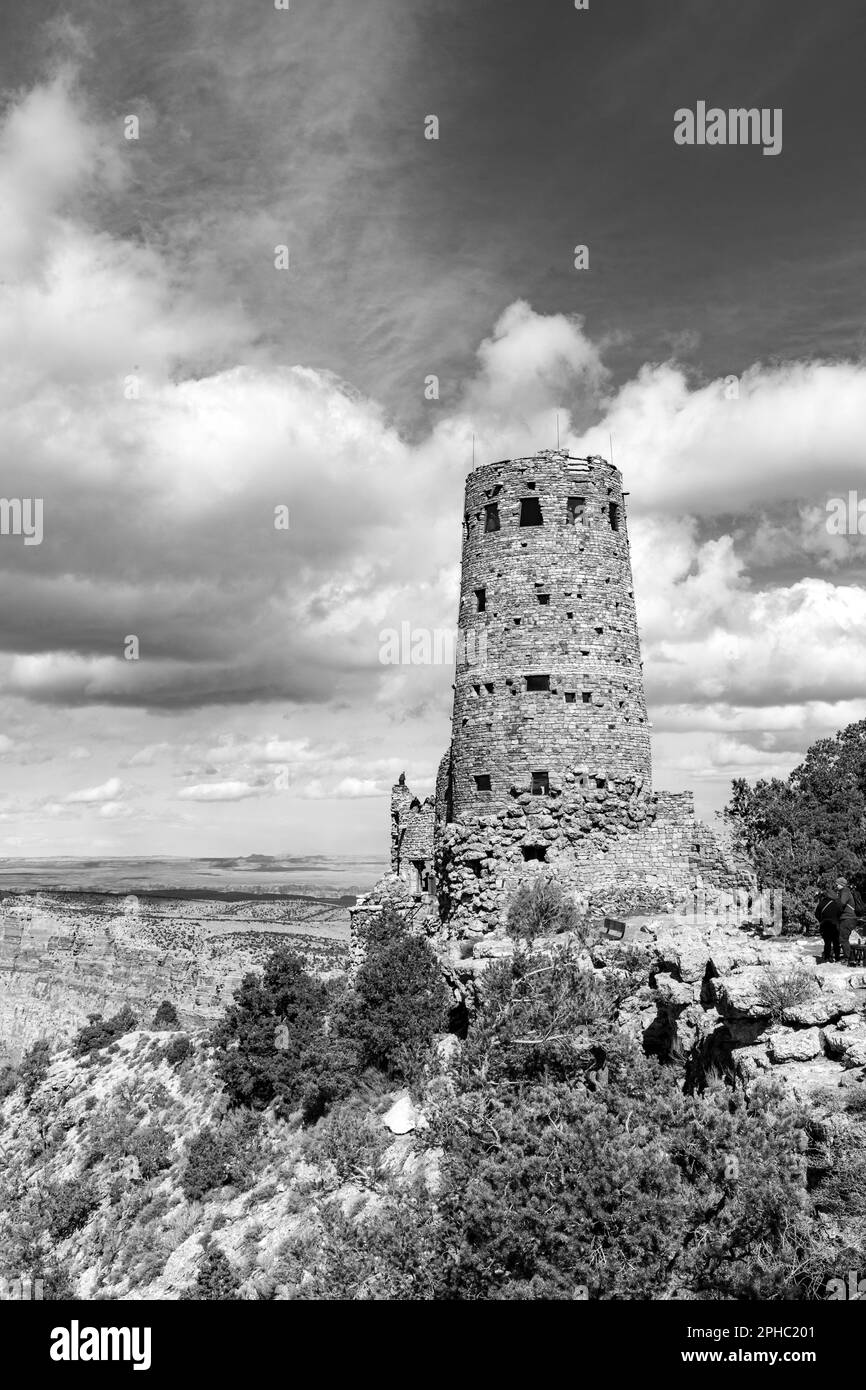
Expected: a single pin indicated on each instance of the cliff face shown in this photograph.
(64, 956)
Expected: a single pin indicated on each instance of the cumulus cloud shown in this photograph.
(108, 791)
(220, 791)
(162, 440)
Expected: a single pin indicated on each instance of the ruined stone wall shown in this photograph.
(552, 600)
(411, 835)
(621, 849)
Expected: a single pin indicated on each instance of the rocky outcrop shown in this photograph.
(720, 998)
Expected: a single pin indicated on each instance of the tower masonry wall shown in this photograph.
(549, 672)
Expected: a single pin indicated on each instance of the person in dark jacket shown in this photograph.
(848, 918)
(829, 911)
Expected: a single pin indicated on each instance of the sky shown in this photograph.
(168, 385)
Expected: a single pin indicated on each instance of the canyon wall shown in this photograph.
(64, 956)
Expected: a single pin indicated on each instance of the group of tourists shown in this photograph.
(837, 915)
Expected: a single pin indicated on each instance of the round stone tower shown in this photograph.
(548, 681)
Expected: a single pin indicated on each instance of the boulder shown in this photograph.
(739, 996)
(493, 947)
(402, 1118)
(673, 994)
(447, 1049)
(751, 1061)
(799, 1046)
(826, 1007)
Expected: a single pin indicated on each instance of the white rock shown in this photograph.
(799, 1046)
(402, 1118)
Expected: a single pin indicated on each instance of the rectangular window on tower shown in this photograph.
(482, 782)
(540, 783)
(538, 682)
(613, 512)
(491, 516)
(481, 596)
(530, 512)
(574, 510)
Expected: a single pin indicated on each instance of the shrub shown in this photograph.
(273, 1043)
(166, 1017)
(400, 1001)
(217, 1157)
(855, 1100)
(34, 1068)
(779, 990)
(542, 908)
(178, 1050)
(216, 1279)
(151, 1146)
(99, 1032)
(349, 1139)
(8, 1080)
(67, 1206)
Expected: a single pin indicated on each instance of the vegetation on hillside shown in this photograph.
(556, 1160)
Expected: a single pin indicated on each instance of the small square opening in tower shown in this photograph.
(574, 510)
(540, 785)
(613, 512)
(530, 512)
(586, 696)
(538, 682)
(601, 782)
(543, 599)
(475, 866)
(570, 698)
(538, 852)
(491, 516)
(488, 686)
(482, 782)
(481, 597)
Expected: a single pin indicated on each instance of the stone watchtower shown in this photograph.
(549, 669)
(550, 759)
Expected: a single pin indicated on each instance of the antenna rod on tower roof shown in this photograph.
(610, 441)
(557, 429)
(473, 451)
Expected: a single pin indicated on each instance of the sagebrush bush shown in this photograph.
(67, 1206)
(542, 908)
(218, 1156)
(778, 990)
(151, 1146)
